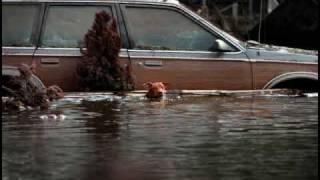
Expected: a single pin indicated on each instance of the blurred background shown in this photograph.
(292, 23)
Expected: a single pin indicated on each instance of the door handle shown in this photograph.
(50, 60)
(153, 63)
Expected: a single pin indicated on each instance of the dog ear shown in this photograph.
(147, 85)
(165, 84)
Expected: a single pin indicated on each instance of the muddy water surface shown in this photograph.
(202, 138)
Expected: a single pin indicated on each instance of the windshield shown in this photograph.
(225, 34)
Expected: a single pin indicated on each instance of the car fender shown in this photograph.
(289, 76)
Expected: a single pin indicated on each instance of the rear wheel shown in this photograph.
(303, 84)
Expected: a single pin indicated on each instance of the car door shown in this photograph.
(62, 34)
(171, 45)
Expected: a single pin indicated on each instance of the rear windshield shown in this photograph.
(19, 24)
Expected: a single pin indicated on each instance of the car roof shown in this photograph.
(115, 1)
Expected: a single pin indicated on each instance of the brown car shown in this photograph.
(161, 41)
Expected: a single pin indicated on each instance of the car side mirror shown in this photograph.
(223, 46)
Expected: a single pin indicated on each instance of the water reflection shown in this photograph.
(114, 137)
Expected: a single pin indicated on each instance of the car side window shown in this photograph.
(19, 24)
(166, 29)
(66, 26)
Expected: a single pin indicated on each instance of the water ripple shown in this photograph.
(111, 137)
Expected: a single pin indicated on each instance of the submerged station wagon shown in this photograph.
(161, 41)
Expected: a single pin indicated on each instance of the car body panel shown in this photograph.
(264, 72)
(268, 64)
(53, 65)
(191, 71)
(247, 68)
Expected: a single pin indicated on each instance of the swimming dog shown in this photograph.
(155, 89)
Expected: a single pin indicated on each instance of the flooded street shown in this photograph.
(202, 138)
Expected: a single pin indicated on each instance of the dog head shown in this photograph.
(155, 89)
(54, 92)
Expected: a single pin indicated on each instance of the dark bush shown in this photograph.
(100, 69)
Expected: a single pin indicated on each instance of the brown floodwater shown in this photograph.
(92, 136)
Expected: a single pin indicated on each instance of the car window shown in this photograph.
(166, 29)
(19, 23)
(66, 26)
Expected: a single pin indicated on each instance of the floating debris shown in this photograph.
(60, 117)
(24, 94)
